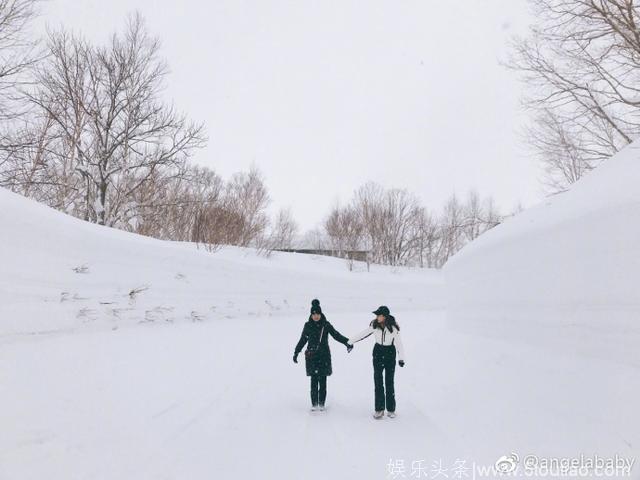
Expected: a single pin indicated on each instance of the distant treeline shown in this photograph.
(85, 129)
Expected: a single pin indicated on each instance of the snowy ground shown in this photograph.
(188, 406)
(192, 377)
(179, 402)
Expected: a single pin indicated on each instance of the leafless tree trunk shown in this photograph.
(428, 239)
(285, 230)
(248, 196)
(345, 231)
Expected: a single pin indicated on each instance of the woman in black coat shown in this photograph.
(315, 334)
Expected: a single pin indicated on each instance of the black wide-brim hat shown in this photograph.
(382, 310)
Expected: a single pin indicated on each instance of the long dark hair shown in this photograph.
(322, 318)
(389, 322)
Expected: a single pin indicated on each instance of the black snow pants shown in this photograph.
(318, 389)
(384, 359)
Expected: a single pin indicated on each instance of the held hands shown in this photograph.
(349, 347)
(295, 358)
(401, 363)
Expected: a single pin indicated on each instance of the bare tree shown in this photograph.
(367, 203)
(17, 51)
(316, 239)
(581, 61)
(396, 231)
(18, 54)
(335, 230)
(346, 232)
(173, 207)
(196, 205)
(560, 147)
(382, 222)
(428, 240)
(472, 223)
(107, 117)
(247, 196)
(285, 230)
(452, 222)
(216, 224)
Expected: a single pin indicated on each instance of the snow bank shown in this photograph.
(59, 273)
(549, 304)
(563, 273)
(200, 384)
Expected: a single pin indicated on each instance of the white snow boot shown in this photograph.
(321, 408)
(391, 414)
(378, 414)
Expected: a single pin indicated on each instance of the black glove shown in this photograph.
(401, 363)
(349, 348)
(295, 358)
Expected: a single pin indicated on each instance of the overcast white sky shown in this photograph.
(323, 96)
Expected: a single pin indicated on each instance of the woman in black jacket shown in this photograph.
(315, 334)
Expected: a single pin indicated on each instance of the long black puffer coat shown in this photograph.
(319, 362)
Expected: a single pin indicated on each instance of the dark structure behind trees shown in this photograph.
(356, 255)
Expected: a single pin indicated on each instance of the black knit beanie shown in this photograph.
(315, 307)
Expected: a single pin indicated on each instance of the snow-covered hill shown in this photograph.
(560, 285)
(60, 273)
(563, 275)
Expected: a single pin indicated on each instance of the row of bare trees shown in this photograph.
(396, 229)
(199, 206)
(85, 129)
(581, 62)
